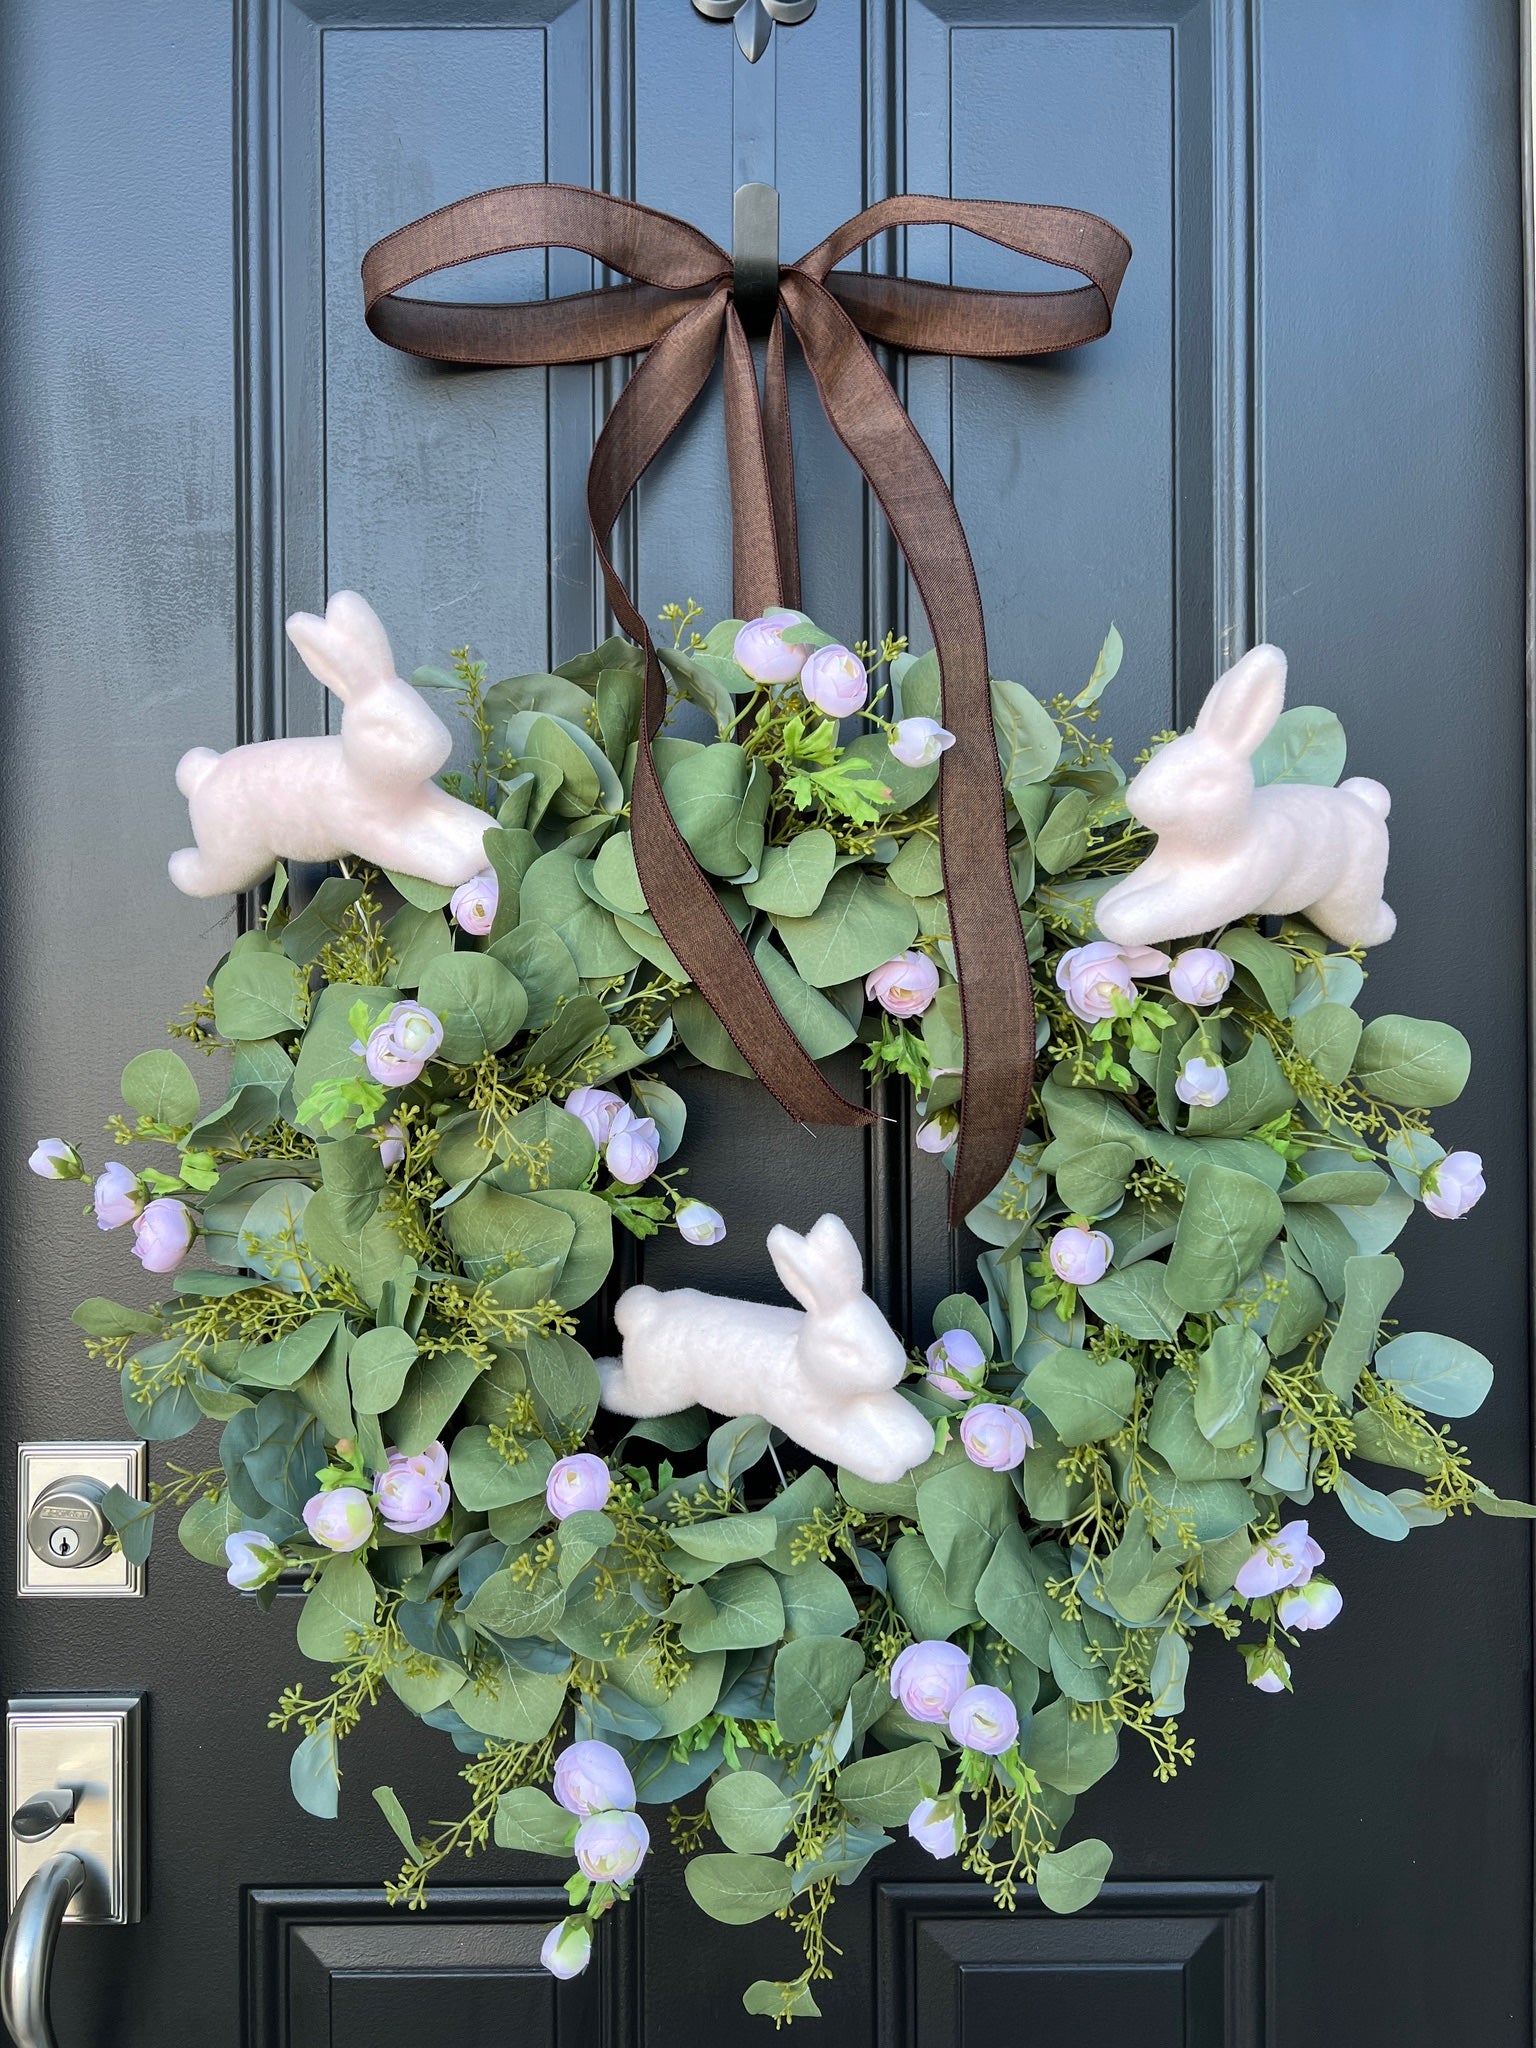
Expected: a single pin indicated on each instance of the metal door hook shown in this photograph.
(755, 256)
(26, 1961)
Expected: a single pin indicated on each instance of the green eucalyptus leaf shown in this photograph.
(159, 1085)
(738, 1889)
(1439, 1374)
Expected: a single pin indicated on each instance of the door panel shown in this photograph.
(1305, 425)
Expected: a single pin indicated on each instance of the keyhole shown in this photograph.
(63, 1541)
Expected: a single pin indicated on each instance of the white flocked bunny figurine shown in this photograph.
(826, 1377)
(366, 790)
(1226, 849)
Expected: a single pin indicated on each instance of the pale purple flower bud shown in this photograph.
(416, 1030)
(918, 742)
(986, 1719)
(1453, 1185)
(759, 647)
(1091, 977)
(610, 1847)
(904, 987)
(995, 1436)
(956, 1351)
(567, 1947)
(52, 1159)
(928, 1677)
(472, 905)
(1078, 1256)
(163, 1235)
(700, 1224)
(1200, 976)
(1309, 1606)
(253, 1559)
(596, 1108)
(1268, 1671)
(936, 1133)
(633, 1148)
(1201, 1083)
(387, 1063)
(935, 1825)
(341, 1519)
(835, 681)
(412, 1494)
(1288, 1558)
(577, 1485)
(391, 1138)
(117, 1196)
(591, 1777)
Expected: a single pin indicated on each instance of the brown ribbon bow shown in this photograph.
(676, 309)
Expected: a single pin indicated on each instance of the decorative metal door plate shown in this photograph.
(91, 1744)
(57, 1525)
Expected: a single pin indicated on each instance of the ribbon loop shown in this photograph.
(678, 310)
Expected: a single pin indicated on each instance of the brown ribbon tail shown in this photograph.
(991, 959)
(781, 465)
(691, 917)
(756, 553)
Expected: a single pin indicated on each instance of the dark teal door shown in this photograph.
(1306, 426)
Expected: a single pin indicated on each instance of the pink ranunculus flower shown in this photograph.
(341, 1519)
(759, 647)
(904, 987)
(577, 1485)
(1092, 976)
(700, 1224)
(591, 1777)
(117, 1196)
(1310, 1605)
(567, 1948)
(1200, 976)
(412, 1494)
(936, 1133)
(1202, 1083)
(163, 1234)
(1288, 1558)
(610, 1847)
(633, 1149)
(835, 681)
(52, 1159)
(918, 742)
(1453, 1185)
(253, 1559)
(1080, 1257)
(984, 1718)
(472, 905)
(995, 1436)
(935, 1825)
(391, 1139)
(1268, 1671)
(416, 1030)
(387, 1063)
(956, 1351)
(928, 1677)
(596, 1108)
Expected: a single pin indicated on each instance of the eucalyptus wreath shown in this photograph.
(440, 1110)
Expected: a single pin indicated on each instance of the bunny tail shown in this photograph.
(1375, 795)
(193, 767)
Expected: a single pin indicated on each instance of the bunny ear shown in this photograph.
(348, 650)
(821, 1269)
(1244, 703)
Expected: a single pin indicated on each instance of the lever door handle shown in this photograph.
(26, 1961)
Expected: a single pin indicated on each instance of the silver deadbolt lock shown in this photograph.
(66, 1527)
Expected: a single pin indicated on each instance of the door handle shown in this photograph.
(26, 1961)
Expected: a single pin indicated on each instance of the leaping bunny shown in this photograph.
(1226, 849)
(366, 790)
(826, 1377)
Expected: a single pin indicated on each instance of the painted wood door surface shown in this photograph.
(1305, 426)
